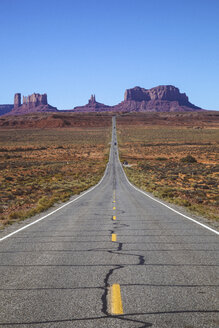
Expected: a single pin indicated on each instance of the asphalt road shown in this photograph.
(65, 271)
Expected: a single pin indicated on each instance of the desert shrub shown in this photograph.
(166, 192)
(145, 167)
(65, 196)
(14, 216)
(188, 159)
(44, 203)
(182, 202)
(161, 158)
(9, 178)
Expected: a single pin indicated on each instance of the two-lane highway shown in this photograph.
(111, 258)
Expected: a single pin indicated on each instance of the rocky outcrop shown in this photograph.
(164, 98)
(162, 92)
(92, 106)
(17, 100)
(35, 100)
(33, 103)
(92, 100)
(160, 99)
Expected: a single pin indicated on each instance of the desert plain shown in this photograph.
(47, 158)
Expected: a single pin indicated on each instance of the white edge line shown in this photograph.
(86, 192)
(72, 201)
(170, 208)
(30, 224)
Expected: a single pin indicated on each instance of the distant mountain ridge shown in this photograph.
(5, 108)
(163, 98)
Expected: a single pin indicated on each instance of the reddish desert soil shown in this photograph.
(54, 120)
(40, 167)
(197, 119)
(159, 150)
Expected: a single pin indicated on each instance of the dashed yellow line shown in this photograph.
(116, 300)
(114, 207)
(113, 237)
(114, 217)
(114, 196)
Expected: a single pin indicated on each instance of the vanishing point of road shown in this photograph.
(113, 257)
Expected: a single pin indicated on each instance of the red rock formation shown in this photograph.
(92, 106)
(164, 98)
(35, 100)
(92, 100)
(17, 100)
(33, 103)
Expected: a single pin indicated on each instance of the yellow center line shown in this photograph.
(114, 208)
(116, 300)
(114, 217)
(113, 237)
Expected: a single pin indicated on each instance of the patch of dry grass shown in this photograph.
(41, 167)
(157, 157)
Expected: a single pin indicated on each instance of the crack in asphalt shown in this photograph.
(120, 317)
(117, 248)
(105, 302)
(106, 289)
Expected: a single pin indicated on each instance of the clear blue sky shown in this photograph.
(72, 48)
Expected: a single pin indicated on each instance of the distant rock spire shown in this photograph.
(92, 99)
(17, 100)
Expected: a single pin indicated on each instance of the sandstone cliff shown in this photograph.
(35, 100)
(33, 103)
(17, 100)
(164, 98)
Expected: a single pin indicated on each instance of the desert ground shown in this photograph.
(42, 166)
(47, 158)
(174, 156)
